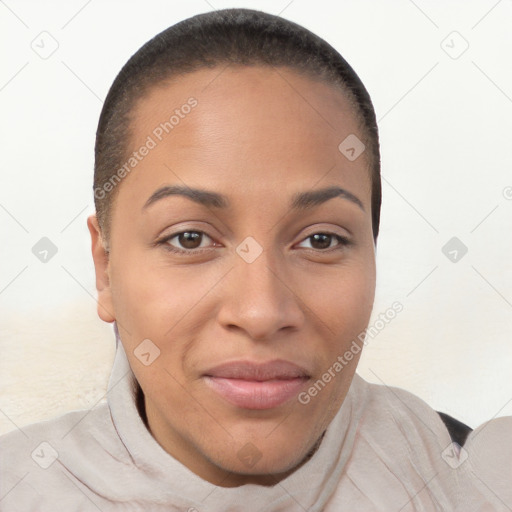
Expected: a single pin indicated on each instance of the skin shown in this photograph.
(258, 135)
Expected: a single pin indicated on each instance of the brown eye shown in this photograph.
(323, 241)
(185, 241)
(190, 239)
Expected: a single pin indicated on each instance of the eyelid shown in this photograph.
(343, 241)
(166, 238)
(194, 226)
(327, 227)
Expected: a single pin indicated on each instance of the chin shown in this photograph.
(259, 458)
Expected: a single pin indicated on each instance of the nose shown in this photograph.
(259, 298)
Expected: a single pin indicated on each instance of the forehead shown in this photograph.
(252, 129)
(273, 97)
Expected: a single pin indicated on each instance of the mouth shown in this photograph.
(258, 386)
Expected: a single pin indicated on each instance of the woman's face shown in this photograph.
(254, 280)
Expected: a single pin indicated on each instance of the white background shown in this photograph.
(445, 127)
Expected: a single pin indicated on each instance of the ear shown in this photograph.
(101, 265)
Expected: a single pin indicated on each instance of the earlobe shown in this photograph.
(100, 257)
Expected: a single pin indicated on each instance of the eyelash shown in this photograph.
(343, 242)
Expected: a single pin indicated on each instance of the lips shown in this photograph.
(251, 385)
(247, 370)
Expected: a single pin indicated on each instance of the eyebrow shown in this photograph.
(300, 200)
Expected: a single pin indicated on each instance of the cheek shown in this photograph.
(163, 304)
(344, 301)
(343, 311)
(143, 289)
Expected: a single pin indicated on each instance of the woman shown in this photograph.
(237, 192)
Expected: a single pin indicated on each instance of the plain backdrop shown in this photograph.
(440, 78)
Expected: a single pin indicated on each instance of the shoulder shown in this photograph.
(407, 438)
(38, 456)
(61, 430)
(400, 410)
(396, 452)
(488, 455)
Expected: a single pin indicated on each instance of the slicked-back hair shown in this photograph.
(242, 37)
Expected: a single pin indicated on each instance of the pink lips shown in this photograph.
(256, 385)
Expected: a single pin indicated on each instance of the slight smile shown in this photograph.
(251, 385)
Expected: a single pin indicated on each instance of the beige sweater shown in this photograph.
(385, 450)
